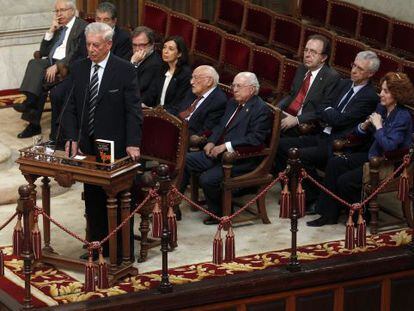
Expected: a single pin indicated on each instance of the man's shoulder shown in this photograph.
(328, 71)
(80, 23)
(121, 34)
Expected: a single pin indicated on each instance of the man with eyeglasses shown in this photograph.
(146, 60)
(355, 99)
(246, 122)
(58, 47)
(314, 82)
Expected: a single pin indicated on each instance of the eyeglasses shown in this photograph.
(311, 52)
(239, 86)
(61, 10)
(359, 68)
(141, 45)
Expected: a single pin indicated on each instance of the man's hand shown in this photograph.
(55, 24)
(217, 150)
(138, 56)
(51, 73)
(207, 149)
(288, 122)
(133, 152)
(74, 148)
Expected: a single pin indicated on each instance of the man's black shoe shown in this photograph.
(86, 256)
(210, 221)
(20, 107)
(321, 221)
(29, 131)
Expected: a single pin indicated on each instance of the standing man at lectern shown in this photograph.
(104, 105)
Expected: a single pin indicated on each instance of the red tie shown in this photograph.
(185, 113)
(296, 104)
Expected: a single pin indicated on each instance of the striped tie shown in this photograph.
(93, 94)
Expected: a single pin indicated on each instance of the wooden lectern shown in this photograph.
(35, 162)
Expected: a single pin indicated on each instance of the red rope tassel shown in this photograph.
(1, 263)
(18, 237)
(172, 226)
(403, 186)
(156, 220)
(300, 198)
(103, 281)
(361, 235)
(89, 285)
(230, 246)
(218, 248)
(285, 202)
(36, 240)
(350, 232)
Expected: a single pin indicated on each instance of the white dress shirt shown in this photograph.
(60, 51)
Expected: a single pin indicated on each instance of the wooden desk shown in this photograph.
(113, 178)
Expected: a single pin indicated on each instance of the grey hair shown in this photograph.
(373, 59)
(100, 28)
(251, 78)
(69, 3)
(211, 72)
(107, 7)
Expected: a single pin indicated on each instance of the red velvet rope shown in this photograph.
(8, 220)
(356, 206)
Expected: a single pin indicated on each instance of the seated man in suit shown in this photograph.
(314, 83)
(246, 122)
(59, 45)
(146, 60)
(204, 106)
(356, 99)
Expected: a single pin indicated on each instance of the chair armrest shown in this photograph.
(307, 128)
(37, 55)
(197, 142)
(244, 153)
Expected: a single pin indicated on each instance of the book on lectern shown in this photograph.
(106, 151)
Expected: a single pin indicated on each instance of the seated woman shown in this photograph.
(391, 127)
(173, 81)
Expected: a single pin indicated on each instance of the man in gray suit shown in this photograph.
(58, 48)
(313, 84)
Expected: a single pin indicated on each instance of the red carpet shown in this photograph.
(51, 286)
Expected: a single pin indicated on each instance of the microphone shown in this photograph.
(61, 117)
(83, 112)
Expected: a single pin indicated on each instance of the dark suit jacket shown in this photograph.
(121, 44)
(208, 114)
(250, 127)
(357, 110)
(74, 43)
(148, 71)
(118, 114)
(322, 89)
(176, 91)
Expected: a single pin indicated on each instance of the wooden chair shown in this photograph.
(159, 124)
(155, 16)
(400, 39)
(182, 25)
(343, 17)
(344, 51)
(408, 68)
(309, 30)
(314, 11)
(374, 28)
(286, 35)
(208, 42)
(258, 24)
(389, 62)
(287, 75)
(230, 15)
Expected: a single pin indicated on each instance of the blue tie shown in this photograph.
(58, 43)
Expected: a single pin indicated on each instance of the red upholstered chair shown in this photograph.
(207, 44)
(159, 124)
(288, 73)
(374, 28)
(267, 64)
(182, 25)
(314, 11)
(309, 30)
(389, 62)
(400, 41)
(259, 23)
(230, 15)
(344, 51)
(155, 16)
(343, 17)
(408, 68)
(286, 36)
(235, 57)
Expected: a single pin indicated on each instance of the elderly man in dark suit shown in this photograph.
(104, 105)
(246, 122)
(204, 106)
(60, 45)
(146, 60)
(356, 99)
(314, 83)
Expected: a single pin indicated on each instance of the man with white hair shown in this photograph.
(104, 105)
(59, 46)
(246, 122)
(204, 106)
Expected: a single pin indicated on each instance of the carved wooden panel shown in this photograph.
(402, 291)
(277, 305)
(363, 297)
(322, 301)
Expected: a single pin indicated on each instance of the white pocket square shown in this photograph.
(113, 91)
